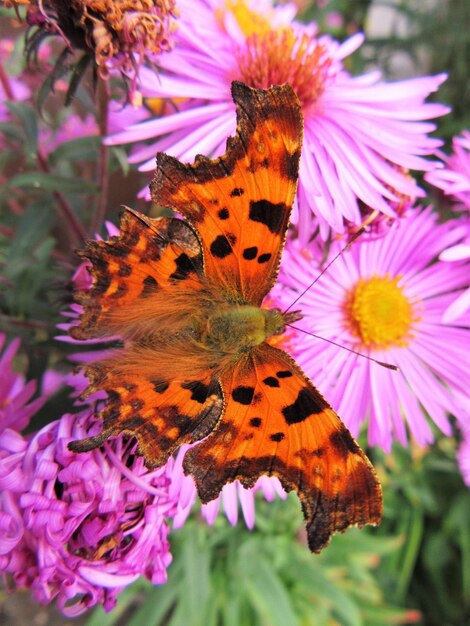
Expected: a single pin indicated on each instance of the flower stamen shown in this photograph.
(282, 56)
(379, 313)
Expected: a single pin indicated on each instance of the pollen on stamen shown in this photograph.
(281, 56)
(379, 313)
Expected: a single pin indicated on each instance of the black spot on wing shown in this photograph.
(277, 437)
(184, 267)
(264, 258)
(221, 247)
(256, 422)
(150, 286)
(305, 405)
(224, 214)
(132, 423)
(250, 253)
(125, 270)
(118, 251)
(290, 166)
(284, 374)
(199, 390)
(342, 441)
(102, 284)
(271, 215)
(236, 192)
(160, 386)
(270, 381)
(243, 395)
(131, 237)
(100, 264)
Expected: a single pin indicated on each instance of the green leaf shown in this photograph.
(267, 593)
(197, 587)
(51, 182)
(60, 69)
(27, 119)
(83, 148)
(157, 604)
(119, 157)
(78, 70)
(11, 131)
(34, 226)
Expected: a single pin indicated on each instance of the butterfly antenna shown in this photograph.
(357, 234)
(388, 366)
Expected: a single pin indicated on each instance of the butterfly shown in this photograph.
(197, 364)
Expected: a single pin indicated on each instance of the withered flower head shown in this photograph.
(119, 34)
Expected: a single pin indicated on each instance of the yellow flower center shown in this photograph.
(379, 313)
(249, 21)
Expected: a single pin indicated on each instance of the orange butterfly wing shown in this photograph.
(162, 415)
(147, 257)
(276, 423)
(240, 203)
(133, 275)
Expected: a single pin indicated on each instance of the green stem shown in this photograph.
(411, 553)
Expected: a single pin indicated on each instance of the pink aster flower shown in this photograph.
(463, 422)
(362, 135)
(16, 406)
(454, 177)
(384, 298)
(454, 180)
(79, 528)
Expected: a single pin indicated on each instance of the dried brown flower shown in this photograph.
(119, 34)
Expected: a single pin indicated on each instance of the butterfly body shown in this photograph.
(197, 364)
(237, 328)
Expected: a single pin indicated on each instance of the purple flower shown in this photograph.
(454, 177)
(385, 298)
(16, 407)
(454, 180)
(362, 135)
(79, 527)
(463, 421)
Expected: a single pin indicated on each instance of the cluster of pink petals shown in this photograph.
(434, 362)
(79, 527)
(463, 422)
(362, 135)
(16, 406)
(454, 177)
(454, 180)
